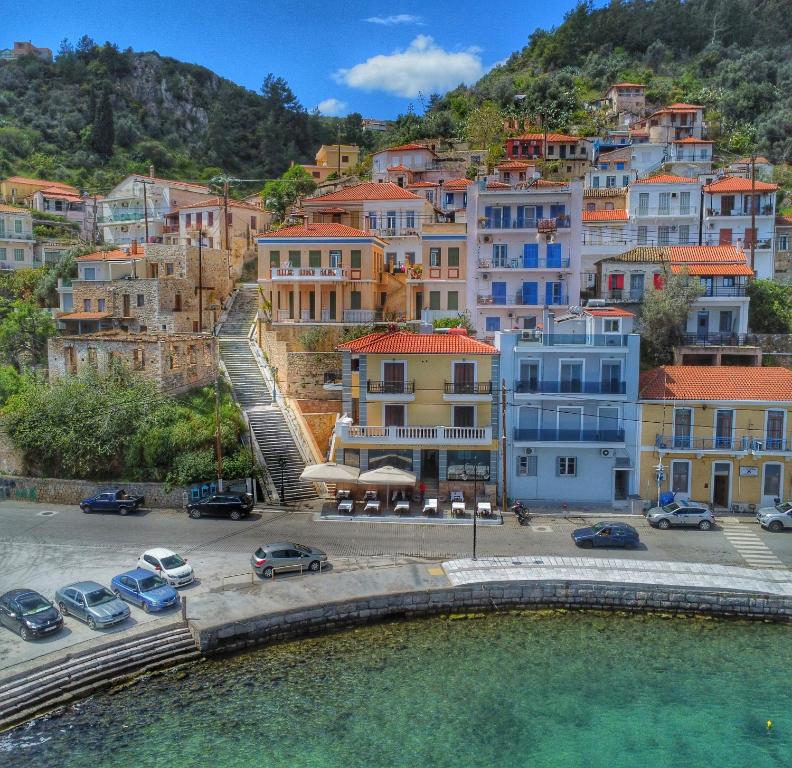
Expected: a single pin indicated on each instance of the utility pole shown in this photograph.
(218, 445)
(225, 214)
(339, 150)
(145, 207)
(504, 502)
(200, 280)
(753, 211)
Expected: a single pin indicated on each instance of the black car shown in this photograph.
(233, 505)
(29, 613)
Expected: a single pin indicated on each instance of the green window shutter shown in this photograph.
(453, 300)
(274, 258)
(295, 258)
(355, 300)
(434, 299)
(315, 259)
(453, 257)
(356, 259)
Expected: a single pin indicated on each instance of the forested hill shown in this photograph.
(97, 113)
(734, 56)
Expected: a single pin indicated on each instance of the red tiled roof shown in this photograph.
(84, 316)
(422, 184)
(682, 105)
(368, 190)
(400, 168)
(710, 254)
(61, 193)
(666, 178)
(738, 184)
(607, 312)
(498, 185)
(513, 165)
(711, 270)
(405, 148)
(691, 140)
(614, 215)
(216, 202)
(628, 85)
(552, 137)
(717, 382)
(42, 182)
(115, 255)
(332, 210)
(307, 231)
(405, 343)
(193, 186)
(784, 221)
(14, 209)
(458, 184)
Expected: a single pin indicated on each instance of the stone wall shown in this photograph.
(320, 418)
(12, 461)
(50, 490)
(284, 625)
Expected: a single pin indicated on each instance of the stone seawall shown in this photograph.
(326, 617)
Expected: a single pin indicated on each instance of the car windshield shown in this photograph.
(172, 561)
(99, 596)
(261, 552)
(32, 604)
(672, 507)
(150, 582)
(784, 506)
(598, 527)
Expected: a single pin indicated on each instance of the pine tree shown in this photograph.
(103, 134)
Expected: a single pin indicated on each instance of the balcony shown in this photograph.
(5, 235)
(626, 294)
(468, 388)
(518, 300)
(723, 291)
(414, 435)
(671, 210)
(762, 210)
(390, 387)
(717, 340)
(518, 263)
(568, 435)
(741, 443)
(543, 225)
(534, 386)
(530, 338)
(307, 274)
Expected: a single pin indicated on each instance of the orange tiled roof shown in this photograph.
(666, 178)
(552, 137)
(84, 316)
(300, 231)
(711, 270)
(498, 185)
(710, 254)
(216, 202)
(760, 159)
(405, 343)
(691, 140)
(400, 168)
(115, 255)
(784, 221)
(422, 184)
(717, 382)
(331, 209)
(368, 190)
(13, 209)
(405, 148)
(513, 165)
(738, 184)
(607, 312)
(42, 182)
(458, 184)
(62, 193)
(614, 215)
(193, 186)
(628, 85)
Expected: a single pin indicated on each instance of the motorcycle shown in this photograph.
(520, 511)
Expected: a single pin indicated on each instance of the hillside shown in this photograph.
(97, 113)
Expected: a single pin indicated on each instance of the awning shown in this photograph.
(330, 473)
(387, 476)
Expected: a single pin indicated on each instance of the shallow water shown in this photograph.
(538, 689)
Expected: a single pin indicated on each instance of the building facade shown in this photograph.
(16, 239)
(664, 210)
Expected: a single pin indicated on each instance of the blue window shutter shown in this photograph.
(549, 293)
(492, 323)
(554, 255)
(530, 293)
(556, 211)
(520, 216)
(530, 255)
(488, 215)
(507, 217)
(499, 293)
(539, 212)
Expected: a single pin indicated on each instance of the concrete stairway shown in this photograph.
(270, 429)
(54, 685)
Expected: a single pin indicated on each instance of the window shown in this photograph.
(434, 257)
(355, 259)
(665, 204)
(774, 432)
(680, 477)
(177, 302)
(610, 377)
(169, 268)
(464, 416)
(724, 420)
(643, 203)
(527, 466)
(566, 466)
(609, 206)
(642, 235)
(448, 199)
(294, 259)
(571, 374)
(492, 324)
(2, 254)
(529, 375)
(783, 242)
(499, 255)
(141, 299)
(390, 220)
(86, 305)
(19, 254)
(355, 300)
(274, 258)
(335, 259)
(18, 226)
(453, 300)
(100, 305)
(625, 181)
(252, 222)
(684, 203)
(725, 321)
(596, 180)
(315, 259)
(684, 234)
(394, 416)
(664, 235)
(434, 299)
(453, 257)
(619, 166)
(610, 181)
(344, 158)
(683, 423)
(611, 325)
(591, 206)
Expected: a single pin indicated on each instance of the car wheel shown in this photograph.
(235, 514)
(705, 525)
(62, 609)
(776, 526)
(663, 525)
(587, 544)
(195, 514)
(123, 511)
(84, 508)
(24, 633)
(314, 566)
(146, 607)
(268, 572)
(91, 623)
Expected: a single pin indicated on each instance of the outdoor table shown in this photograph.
(430, 508)
(458, 508)
(484, 509)
(342, 494)
(402, 506)
(346, 506)
(371, 506)
(370, 496)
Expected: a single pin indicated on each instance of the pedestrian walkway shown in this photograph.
(751, 547)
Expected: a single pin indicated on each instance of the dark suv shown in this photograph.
(233, 505)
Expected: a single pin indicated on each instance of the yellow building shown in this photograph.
(425, 403)
(16, 189)
(322, 273)
(721, 433)
(333, 158)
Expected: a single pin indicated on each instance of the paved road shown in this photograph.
(45, 546)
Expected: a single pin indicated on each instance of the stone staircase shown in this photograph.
(54, 685)
(270, 430)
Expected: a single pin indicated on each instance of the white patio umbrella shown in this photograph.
(330, 472)
(387, 476)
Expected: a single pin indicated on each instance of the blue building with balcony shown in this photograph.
(572, 411)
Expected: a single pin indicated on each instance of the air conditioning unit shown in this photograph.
(485, 276)
(529, 451)
(606, 452)
(673, 194)
(487, 238)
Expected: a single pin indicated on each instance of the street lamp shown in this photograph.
(660, 476)
(282, 465)
(475, 493)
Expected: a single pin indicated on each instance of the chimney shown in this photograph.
(151, 171)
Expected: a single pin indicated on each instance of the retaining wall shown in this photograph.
(315, 619)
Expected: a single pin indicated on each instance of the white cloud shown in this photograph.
(331, 107)
(424, 66)
(399, 18)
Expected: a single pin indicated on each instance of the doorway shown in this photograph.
(721, 484)
(430, 465)
(621, 484)
(702, 325)
(772, 484)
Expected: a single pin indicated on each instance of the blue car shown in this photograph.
(606, 535)
(145, 589)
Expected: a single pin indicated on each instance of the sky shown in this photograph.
(352, 56)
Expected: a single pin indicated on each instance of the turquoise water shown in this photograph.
(533, 690)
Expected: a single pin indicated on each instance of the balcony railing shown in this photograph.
(307, 273)
(545, 224)
(468, 387)
(362, 315)
(534, 386)
(6, 235)
(661, 210)
(762, 210)
(569, 435)
(724, 290)
(761, 244)
(390, 387)
(724, 443)
(518, 263)
(625, 294)
(573, 339)
(717, 340)
(518, 299)
(414, 435)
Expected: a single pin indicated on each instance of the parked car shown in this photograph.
(170, 566)
(96, 605)
(116, 500)
(233, 505)
(286, 556)
(29, 613)
(145, 589)
(606, 534)
(776, 518)
(681, 513)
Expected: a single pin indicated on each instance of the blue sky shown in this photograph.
(349, 56)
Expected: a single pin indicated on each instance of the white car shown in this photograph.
(168, 565)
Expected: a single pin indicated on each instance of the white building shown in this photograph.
(664, 210)
(16, 239)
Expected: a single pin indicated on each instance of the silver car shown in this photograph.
(96, 605)
(776, 518)
(286, 556)
(681, 513)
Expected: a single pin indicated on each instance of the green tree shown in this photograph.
(11, 382)
(460, 321)
(485, 126)
(663, 317)
(23, 334)
(280, 194)
(770, 310)
(103, 132)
